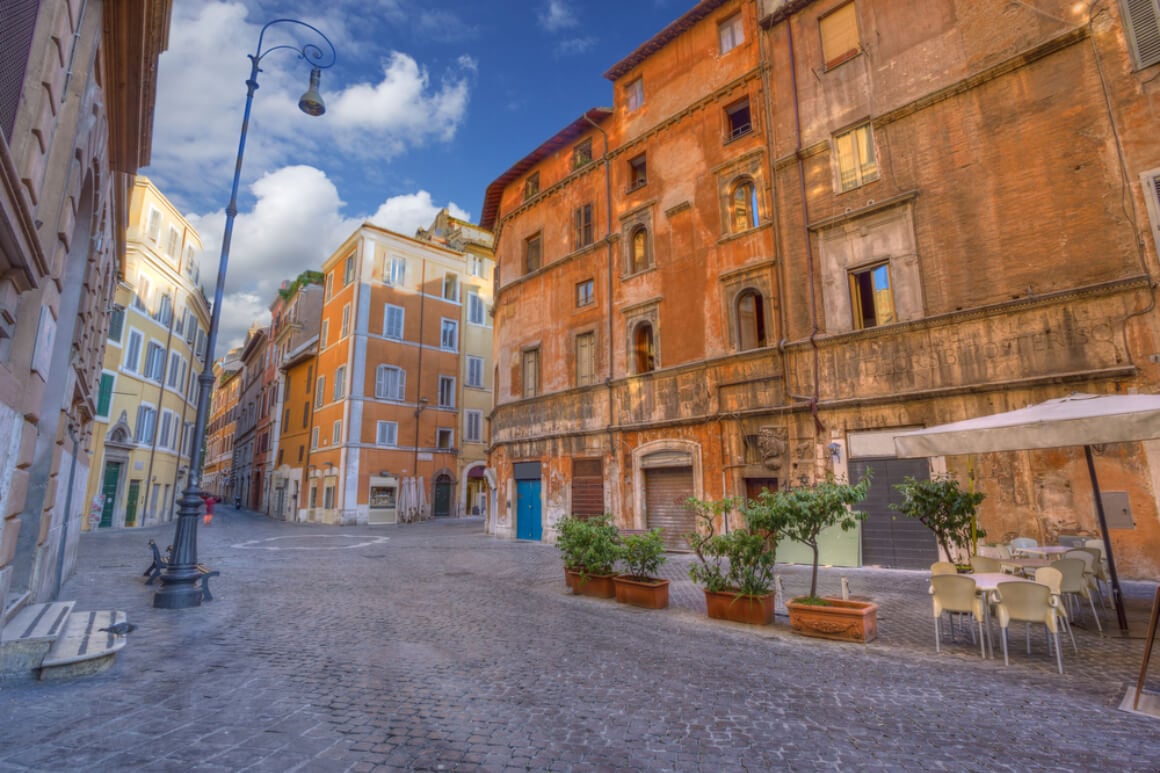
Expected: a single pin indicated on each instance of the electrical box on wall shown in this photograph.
(1117, 509)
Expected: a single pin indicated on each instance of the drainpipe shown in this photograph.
(72, 471)
(608, 286)
(797, 124)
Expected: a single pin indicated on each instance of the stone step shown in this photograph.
(28, 637)
(82, 649)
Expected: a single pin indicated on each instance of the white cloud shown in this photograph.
(557, 15)
(296, 223)
(575, 46)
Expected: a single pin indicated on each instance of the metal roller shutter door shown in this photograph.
(889, 538)
(666, 490)
(587, 487)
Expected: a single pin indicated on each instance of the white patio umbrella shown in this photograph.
(1077, 420)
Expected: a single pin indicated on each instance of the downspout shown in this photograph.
(419, 401)
(608, 290)
(797, 126)
(72, 471)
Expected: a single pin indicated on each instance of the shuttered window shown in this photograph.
(587, 487)
(585, 359)
(105, 395)
(1142, 20)
(840, 36)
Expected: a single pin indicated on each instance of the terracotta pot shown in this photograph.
(728, 605)
(598, 585)
(839, 620)
(648, 594)
(569, 575)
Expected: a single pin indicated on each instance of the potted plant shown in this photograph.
(591, 548)
(948, 511)
(642, 555)
(803, 513)
(735, 568)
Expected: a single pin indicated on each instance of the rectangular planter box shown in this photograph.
(597, 585)
(727, 605)
(855, 621)
(639, 593)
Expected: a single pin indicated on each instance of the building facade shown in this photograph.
(389, 434)
(840, 220)
(218, 475)
(147, 395)
(77, 86)
(249, 456)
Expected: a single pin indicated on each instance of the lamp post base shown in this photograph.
(181, 596)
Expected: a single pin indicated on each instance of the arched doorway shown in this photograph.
(444, 486)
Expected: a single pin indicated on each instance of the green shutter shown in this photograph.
(105, 396)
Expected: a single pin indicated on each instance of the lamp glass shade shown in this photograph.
(311, 102)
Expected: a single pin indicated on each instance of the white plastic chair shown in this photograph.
(1100, 567)
(956, 593)
(1027, 602)
(985, 564)
(1053, 578)
(1019, 543)
(1075, 582)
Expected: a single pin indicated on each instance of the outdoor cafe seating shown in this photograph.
(1027, 602)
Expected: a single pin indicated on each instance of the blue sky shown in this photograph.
(429, 101)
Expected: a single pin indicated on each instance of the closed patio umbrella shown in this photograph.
(1077, 420)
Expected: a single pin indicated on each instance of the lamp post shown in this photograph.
(179, 580)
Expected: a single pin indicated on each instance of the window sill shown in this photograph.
(735, 136)
(636, 186)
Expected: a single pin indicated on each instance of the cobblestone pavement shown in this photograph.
(435, 647)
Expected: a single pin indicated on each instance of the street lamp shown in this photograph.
(179, 580)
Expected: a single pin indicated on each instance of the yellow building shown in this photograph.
(146, 402)
(221, 427)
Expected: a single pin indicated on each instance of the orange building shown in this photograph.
(807, 225)
(389, 435)
(221, 425)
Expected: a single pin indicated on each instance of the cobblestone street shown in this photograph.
(435, 647)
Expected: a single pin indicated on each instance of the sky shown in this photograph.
(428, 102)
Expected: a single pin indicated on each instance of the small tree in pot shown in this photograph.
(736, 568)
(944, 508)
(591, 548)
(642, 555)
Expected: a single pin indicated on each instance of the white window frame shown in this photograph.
(382, 382)
(145, 428)
(395, 271)
(440, 434)
(474, 371)
(634, 94)
(336, 432)
(476, 310)
(473, 426)
(345, 321)
(449, 335)
(389, 330)
(387, 433)
(173, 243)
(153, 225)
(446, 391)
(339, 383)
(314, 437)
(730, 33)
(451, 287)
(131, 362)
(173, 377)
(320, 391)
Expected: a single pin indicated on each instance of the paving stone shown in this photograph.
(445, 649)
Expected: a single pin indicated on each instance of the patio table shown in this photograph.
(1044, 550)
(1023, 564)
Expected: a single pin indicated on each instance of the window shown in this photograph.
(637, 172)
(473, 431)
(390, 382)
(1142, 21)
(582, 154)
(345, 321)
(474, 371)
(348, 271)
(336, 432)
(141, 297)
(396, 271)
(839, 36)
(305, 414)
(446, 392)
(324, 333)
(116, 324)
(584, 293)
(191, 327)
(313, 496)
(340, 383)
(743, 206)
(105, 394)
(179, 325)
(585, 359)
(531, 373)
(634, 94)
(871, 298)
(750, 320)
(146, 424)
(475, 310)
(300, 450)
(643, 349)
(164, 310)
(730, 33)
(199, 350)
(393, 322)
(166, 429)
(857, 164)
(449, 335)
(154, 362)
(191, 267)
(174, 376)
(582, 226)
(329, 286)
(314, 437)
(154, 228)
(450, 287)
(320, 392)
(737, 120)
(387, 433)
(638, 257)
(475, 265)
(444, 438)
(531, 185)
(173, 243)
(532, 255)
(328, 497)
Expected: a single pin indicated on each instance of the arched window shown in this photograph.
(638, 257)
(750, 320)
(643, 350)
(743, 206)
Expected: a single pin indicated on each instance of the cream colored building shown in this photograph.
(146, 403)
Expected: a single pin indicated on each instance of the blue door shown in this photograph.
(528, 524)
